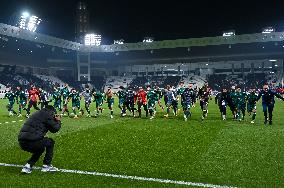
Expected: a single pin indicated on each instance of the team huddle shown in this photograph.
(129, 100)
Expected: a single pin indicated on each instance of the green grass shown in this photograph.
(214, 151)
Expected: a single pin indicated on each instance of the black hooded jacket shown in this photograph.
(36, 127)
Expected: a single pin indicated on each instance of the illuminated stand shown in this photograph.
(228, 38)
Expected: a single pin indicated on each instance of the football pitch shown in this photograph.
(163, 152)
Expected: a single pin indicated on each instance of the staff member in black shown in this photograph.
(268, 102)
(32, 138)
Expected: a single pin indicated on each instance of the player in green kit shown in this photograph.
(241, 104)
(121, 100)
(180, 91)
(75, 96)
(57, 98)
(21, 100)
(251, 104)
(152, 97)
(232, 101)
(65, 93)
(11, 98)
(99, 98)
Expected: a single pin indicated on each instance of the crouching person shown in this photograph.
(32, 138)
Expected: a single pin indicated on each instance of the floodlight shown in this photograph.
(229, 33)
(120, 41)
(268, 30)
(148, 39)
(272, 60)
(28, 22)
(93, 40)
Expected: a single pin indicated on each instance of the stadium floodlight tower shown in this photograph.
(148, 39)
(29, 22)
(229, 33)
(120, 41)
(268, 30)
(84, 58)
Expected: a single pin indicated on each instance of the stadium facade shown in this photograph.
(238, 55)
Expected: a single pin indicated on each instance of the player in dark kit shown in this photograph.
(204, 95)
(222, 100)
(268, 102)
(87, 94)
(32, 138)
(129, 100)
(43, 98)
(186, 97)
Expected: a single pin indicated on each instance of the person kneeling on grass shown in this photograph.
(32, 138)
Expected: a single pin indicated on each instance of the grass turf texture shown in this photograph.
(213, 151)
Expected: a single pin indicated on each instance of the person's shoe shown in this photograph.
(152, 117)
(252, 122)
(167, 115)
(111, 116)
(27, 116)
(270, 122)
(75, 117)
(185, 119)
(88, 115)
(265, 122)
(27, 169)
(49, 168)
(11, 114)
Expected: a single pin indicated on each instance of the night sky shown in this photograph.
(132, 20)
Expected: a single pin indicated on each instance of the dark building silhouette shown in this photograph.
(82, 22)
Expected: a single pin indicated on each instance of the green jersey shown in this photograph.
(65, 92)
(75, 97)
(56, 95)
(241, 98)
(152, 96)
(21, 96)
(10, 96)
(180, 90)
(234, 97)
(252, 98)
(99, 97)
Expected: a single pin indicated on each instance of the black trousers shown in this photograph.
(37, 148)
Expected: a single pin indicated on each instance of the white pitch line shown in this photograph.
(130, 177)
(11, 122)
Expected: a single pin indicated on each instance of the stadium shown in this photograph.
(113, 144)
